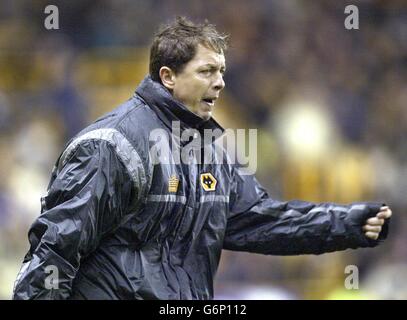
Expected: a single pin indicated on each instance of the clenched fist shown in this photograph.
(374, 225)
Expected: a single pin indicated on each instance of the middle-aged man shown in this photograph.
(117, 224)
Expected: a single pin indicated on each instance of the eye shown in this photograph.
(205, 72)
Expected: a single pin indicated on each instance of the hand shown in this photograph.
(374, 225)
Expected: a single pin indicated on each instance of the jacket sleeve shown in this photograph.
(257, 223)
(86, 200)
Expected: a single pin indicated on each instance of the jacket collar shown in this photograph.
(169, 109)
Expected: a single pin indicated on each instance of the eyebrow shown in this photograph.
(213, 65)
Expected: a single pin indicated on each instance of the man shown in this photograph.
(116, 224)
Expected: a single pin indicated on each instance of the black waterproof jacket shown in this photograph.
(118, 224)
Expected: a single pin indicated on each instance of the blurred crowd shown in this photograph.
(292, 67)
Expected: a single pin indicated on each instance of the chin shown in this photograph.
(206, 116)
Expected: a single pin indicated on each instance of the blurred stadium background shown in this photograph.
(330, 106)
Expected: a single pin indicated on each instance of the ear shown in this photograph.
(167, 77)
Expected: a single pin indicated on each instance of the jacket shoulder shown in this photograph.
(126, 129)
(131, 121)
(132, 115)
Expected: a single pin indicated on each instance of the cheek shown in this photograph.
(193, 89)
(201, 86)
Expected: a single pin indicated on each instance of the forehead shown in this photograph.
(204, 56)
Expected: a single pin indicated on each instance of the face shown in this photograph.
(200, 82)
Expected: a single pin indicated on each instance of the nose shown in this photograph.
(219, 83)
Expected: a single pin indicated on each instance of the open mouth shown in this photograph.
(209, 101)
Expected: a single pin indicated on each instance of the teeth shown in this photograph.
(209, 101)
